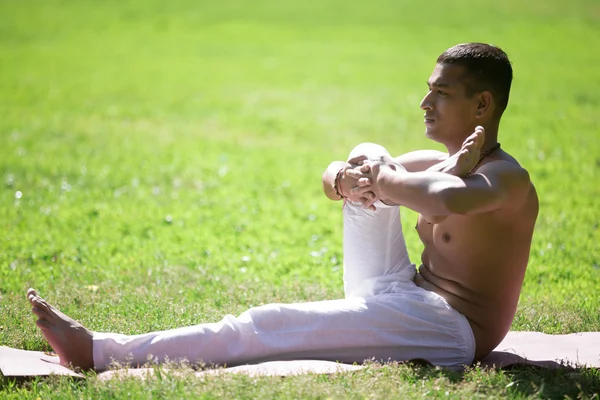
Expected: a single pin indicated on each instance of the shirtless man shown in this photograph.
(477, 245)
(478, 209)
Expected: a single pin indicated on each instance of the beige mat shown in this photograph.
(529, 348)
(23, 363)
(271, 368)
(550, 351)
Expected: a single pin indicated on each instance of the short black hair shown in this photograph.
(487, 67)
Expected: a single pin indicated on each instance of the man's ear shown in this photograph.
(485, 105)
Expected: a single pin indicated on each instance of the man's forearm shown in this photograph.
(421, 160)
(328, 179)
(425, 192)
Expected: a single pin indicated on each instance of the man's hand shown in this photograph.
(366, 175)
(371, 172)
(358, 189)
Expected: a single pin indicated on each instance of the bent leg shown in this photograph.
(375, 254)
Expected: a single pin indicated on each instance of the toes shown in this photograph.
(31, 293)
(39, 312)
(43, 324)
(37, 301)
(472, 141)
(480, 132)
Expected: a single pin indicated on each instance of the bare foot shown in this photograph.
(69, 339)
(461, 163)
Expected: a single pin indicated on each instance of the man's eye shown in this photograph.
(442, 92)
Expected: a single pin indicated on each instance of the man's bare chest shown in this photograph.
(453, 232)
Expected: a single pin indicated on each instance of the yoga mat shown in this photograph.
(270, 368)
(549, 351)
(518, 348)
(17, 363)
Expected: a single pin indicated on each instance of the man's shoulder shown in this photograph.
(510, 179)
(505, 168)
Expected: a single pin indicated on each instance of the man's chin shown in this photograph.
(431, 134)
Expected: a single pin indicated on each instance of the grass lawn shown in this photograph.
(160, 166)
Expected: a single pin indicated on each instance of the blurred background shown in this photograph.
(179, 145)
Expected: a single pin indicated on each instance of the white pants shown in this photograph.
(384, 315)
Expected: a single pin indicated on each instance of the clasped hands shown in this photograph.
(360, 179)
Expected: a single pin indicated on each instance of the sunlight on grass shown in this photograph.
(160, 166)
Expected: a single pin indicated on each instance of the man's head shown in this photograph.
(470, 86)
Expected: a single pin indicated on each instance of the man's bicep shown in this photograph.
(420, 160)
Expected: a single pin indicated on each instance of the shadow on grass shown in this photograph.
(557, 383)
(561, 381)
(29, 383)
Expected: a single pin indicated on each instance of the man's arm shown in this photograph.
(414, 161)
(498, 184)
(420, 160)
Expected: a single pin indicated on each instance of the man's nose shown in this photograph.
(426, 103)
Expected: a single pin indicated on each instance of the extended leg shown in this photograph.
(397, 326)
(415, 324)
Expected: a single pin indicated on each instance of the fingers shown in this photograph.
(354, 173)
(361, 190)
(363, 195)
(368, 200)
(359, 172)
(362, 182)
(357, 160)
(365, 198)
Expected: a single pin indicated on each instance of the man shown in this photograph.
(478, 210)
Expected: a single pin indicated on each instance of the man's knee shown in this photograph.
(370, 150)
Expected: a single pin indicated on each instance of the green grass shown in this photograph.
(170, 154)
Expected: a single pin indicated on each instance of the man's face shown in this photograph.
(449, 113)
